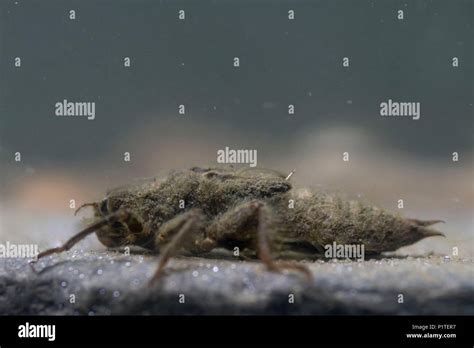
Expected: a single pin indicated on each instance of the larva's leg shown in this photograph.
(181, 231)
(120, 215)
(247, 224)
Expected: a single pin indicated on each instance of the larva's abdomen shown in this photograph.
(324, 219)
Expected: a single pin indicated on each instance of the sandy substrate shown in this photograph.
(108, 283)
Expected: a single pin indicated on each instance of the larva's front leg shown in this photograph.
(121, 215)
(184, 231)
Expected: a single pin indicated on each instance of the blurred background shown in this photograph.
(282, 62)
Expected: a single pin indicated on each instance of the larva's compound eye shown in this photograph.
(103, 207)
(109, 205)
(105, 210)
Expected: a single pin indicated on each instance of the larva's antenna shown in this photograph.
(289, 175)
(95, 205)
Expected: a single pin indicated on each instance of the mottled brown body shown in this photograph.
(221, 197)
(197, 210)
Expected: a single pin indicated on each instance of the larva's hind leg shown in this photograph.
(248, 223)
(185, 230)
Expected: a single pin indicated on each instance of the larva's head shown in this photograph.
(117, 232)
(117, 228)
